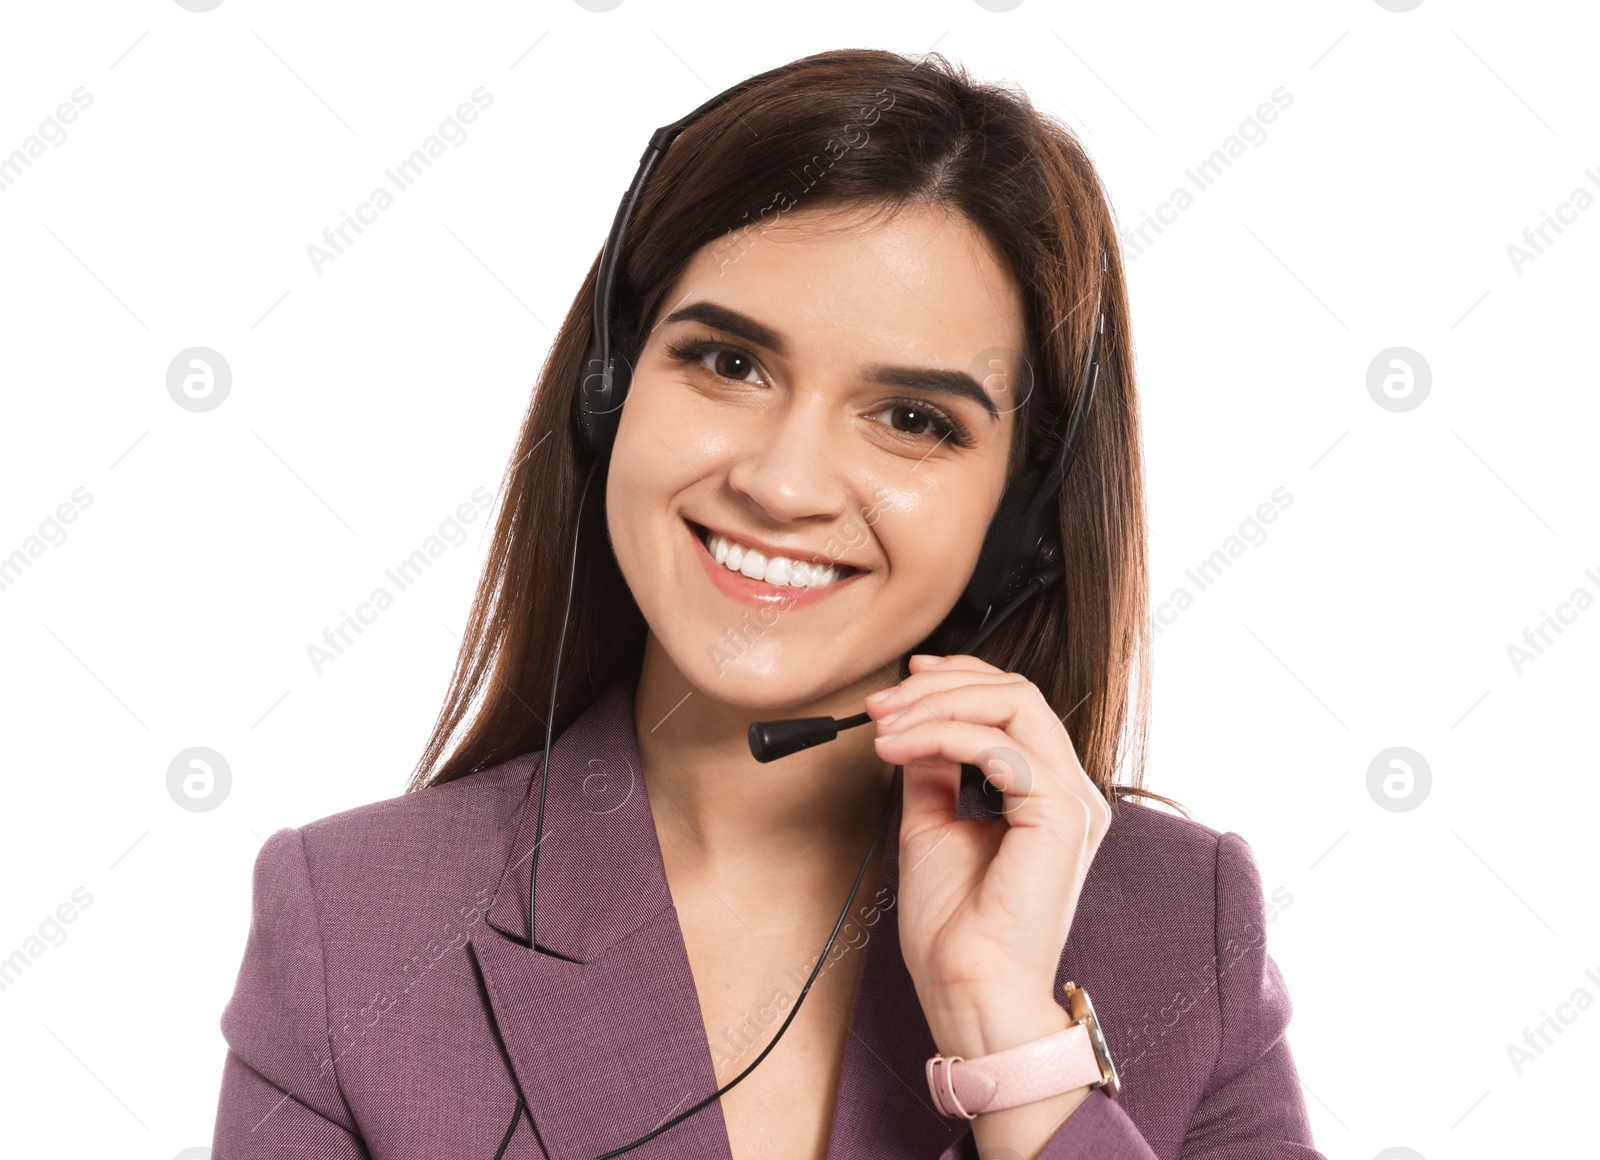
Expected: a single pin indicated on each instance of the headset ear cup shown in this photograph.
(597, 403)
(999, 555)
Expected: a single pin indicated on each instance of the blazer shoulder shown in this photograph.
(468, 803)
(1145, 837)
(1152, 836)
(1190, 885)
(433, 842)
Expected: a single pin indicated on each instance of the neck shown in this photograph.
(718, 804)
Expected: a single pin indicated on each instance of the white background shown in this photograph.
(372, 398)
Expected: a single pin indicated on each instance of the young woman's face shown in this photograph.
(831, 395)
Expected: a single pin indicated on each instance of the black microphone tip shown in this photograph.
(770, 740)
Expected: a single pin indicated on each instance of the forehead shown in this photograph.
(845, 285)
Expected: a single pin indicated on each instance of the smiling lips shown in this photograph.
(775, 570)
(753, 576)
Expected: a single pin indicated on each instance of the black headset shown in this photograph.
(1021, 554)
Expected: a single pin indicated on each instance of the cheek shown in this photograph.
(653, 465)
(669, 433)
(631, 483)
(931, 538)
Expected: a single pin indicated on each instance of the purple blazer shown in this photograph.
(388, 1005)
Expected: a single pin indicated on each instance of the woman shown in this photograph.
(861, 299)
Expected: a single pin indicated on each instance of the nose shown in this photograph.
(792, 466)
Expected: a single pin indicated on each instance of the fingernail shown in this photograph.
(886, 725)
(930, 660)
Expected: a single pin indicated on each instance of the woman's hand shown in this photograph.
(985, 906)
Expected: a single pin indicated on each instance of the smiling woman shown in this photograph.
(777, 403)
(812, 439)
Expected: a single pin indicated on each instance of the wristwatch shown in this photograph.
(1029, 1072)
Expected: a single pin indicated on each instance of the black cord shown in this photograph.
(510, 1129)
(877, 840)
(550, 719)
(544, 780)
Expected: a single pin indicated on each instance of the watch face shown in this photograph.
(1108, 1069)
(1082, 1009)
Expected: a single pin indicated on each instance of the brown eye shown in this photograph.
(920, 419)
(730, 364)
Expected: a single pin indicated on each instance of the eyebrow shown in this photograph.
(931, 379)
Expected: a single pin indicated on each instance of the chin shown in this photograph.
(753, 678)
(761, 680)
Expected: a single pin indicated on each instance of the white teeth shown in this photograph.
(776, 570)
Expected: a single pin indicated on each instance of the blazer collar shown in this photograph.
(601, 1021)
(601, 876)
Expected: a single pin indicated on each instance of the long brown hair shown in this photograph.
(867, 128)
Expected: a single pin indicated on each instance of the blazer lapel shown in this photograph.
(884, 1108)
(601, 1021)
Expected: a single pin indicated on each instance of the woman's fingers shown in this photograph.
(965, 711)
(1004, 701)
(985, 899)
(924, 662)
(949, 744)
(930, 793)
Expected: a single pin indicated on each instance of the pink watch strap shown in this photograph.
(1019, 1075)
